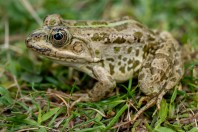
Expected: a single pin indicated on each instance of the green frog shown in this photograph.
(112, 52)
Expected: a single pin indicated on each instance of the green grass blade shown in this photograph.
(116, 117)
(49, 114)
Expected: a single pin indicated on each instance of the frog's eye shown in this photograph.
(59, 37)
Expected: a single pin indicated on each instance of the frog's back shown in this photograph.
(121, 45)
(111, 32)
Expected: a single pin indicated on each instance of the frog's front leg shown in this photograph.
(104, 86)
(101, 89)
(160, 72)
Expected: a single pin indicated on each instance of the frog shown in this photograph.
(112, 51)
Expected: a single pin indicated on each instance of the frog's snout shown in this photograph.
(27, 40)
(35, 37)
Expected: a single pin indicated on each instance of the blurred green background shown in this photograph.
(25, 77)
(178, 16)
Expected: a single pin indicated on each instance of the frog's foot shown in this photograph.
(104, 86)
(150, 103)
(100, 91)
(81, 97)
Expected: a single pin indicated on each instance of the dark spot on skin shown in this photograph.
(130, 61)
(119, 57)
(146, 48)
(151, 38)
(107, 93)
(179, 71)
(139, 25)
(177, 54)
(147, 65)
(119, 40)
(121, 27)
(101, 37)
(89, 67)
(141, 76)
(52, 22)
(174, 79)
(119, 63)
(164, 56)
(135, 64)
(99, 23)
(157, 71)
(150, 48)
(96, 37)
(111, 68)
(104, 35)
(129, 50)
(81, 23)
(162, 78)
(176, 62)
(116, 49)
(97, 52)
(151, 32)
(129, 68)
(110, 59)
(138, 36)
(137, 52)
(124, 59)
(165, 84)
(102, 62)
(122, 69)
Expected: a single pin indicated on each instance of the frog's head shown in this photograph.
(55, 41)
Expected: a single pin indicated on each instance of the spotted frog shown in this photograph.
(112, 52)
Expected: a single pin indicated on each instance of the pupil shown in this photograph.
(58, 36)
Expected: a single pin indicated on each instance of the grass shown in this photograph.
(34, 92)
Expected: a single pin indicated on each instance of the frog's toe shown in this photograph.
(80, 97)
(143, 99)
(85, 98)
(158, 102)
(159, 98)
(149, 104)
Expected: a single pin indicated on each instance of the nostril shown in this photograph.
(32, 38)
(34, 35)
(27, 40)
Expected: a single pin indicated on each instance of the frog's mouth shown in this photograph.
(37, 42)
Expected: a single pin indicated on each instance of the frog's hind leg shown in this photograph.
(177, 71)
(161, 71)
